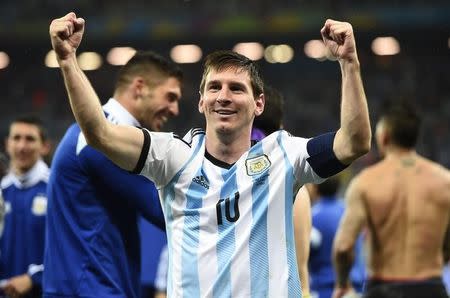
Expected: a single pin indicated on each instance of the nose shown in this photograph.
(21, 143)
(224, 96)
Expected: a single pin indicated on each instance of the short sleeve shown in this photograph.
(163, 157)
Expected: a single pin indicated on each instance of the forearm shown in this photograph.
(84, 102)
(355, 124)
(343, 262)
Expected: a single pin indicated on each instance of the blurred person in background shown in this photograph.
(219, 242)
(404, 202)
(327, 211)
(25, 200)
(93, 246)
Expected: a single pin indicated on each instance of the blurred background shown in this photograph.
(403, 47)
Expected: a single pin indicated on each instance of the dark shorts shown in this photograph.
(429, 288)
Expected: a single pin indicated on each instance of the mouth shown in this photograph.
(159, 122)
(164, 119)
(225, 112)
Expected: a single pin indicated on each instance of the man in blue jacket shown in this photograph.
(25, 205)
(93, 245)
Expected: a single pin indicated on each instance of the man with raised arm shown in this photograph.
(227, 202)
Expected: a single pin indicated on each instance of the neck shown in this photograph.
(227, 147)
(399, 153)
(126, 100)
(19, 171)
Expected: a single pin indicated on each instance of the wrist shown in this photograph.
(350, 65)
(67, 61)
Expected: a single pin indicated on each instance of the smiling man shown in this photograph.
(93, 244)
(227, 202)
(24, 191)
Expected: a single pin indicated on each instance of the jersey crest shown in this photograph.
(39, 206)
(257, 165)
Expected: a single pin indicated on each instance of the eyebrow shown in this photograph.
(232, 83)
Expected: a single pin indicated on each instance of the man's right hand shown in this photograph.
(66, 34)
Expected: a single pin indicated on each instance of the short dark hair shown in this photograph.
(402, 121)
(272, 117)
(33, 120)
(221, 60)
(150, 66)
(329, 187)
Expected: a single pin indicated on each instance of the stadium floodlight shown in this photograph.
(50, 59)
(385, 46)
(187, 53)
(268, 54)
(282, 53)
(120, 55)
(4, 60)
(315, 49)
(89, 61)
(252, 50)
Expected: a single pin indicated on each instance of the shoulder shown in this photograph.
(192, 136)
(7, 181)
(438, 173)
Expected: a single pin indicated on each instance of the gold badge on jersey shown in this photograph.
(257, 165)
(39, 206)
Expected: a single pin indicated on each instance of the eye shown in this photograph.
(214, 87)
(237, 88)
(172, 97)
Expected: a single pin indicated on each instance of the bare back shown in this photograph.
(407, 201)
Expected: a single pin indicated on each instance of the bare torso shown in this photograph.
(407, 200)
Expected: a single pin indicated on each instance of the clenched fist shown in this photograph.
(339, 40)
(66, 34)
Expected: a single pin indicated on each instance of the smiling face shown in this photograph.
(158, 104)
(228, 101)
(25, 146)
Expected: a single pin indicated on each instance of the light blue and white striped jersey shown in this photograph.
(229, 227)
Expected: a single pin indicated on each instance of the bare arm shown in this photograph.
(353, 138)
(446, 252)
(302, 230)
(122, 144)
(352, 222)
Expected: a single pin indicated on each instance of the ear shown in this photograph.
(200, 104)
(260, 102)
(137, 85)
(46, 147)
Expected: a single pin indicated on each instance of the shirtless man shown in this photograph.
(404, 201)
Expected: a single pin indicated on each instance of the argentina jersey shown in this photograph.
(229, 227)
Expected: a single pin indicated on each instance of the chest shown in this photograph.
(25, 202)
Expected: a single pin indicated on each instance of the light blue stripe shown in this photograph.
(169, 197)
(226, 239)
(191, 232)
(294, 288)
(259, 255)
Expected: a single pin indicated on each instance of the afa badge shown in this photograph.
(39, 206)
(257, 165)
